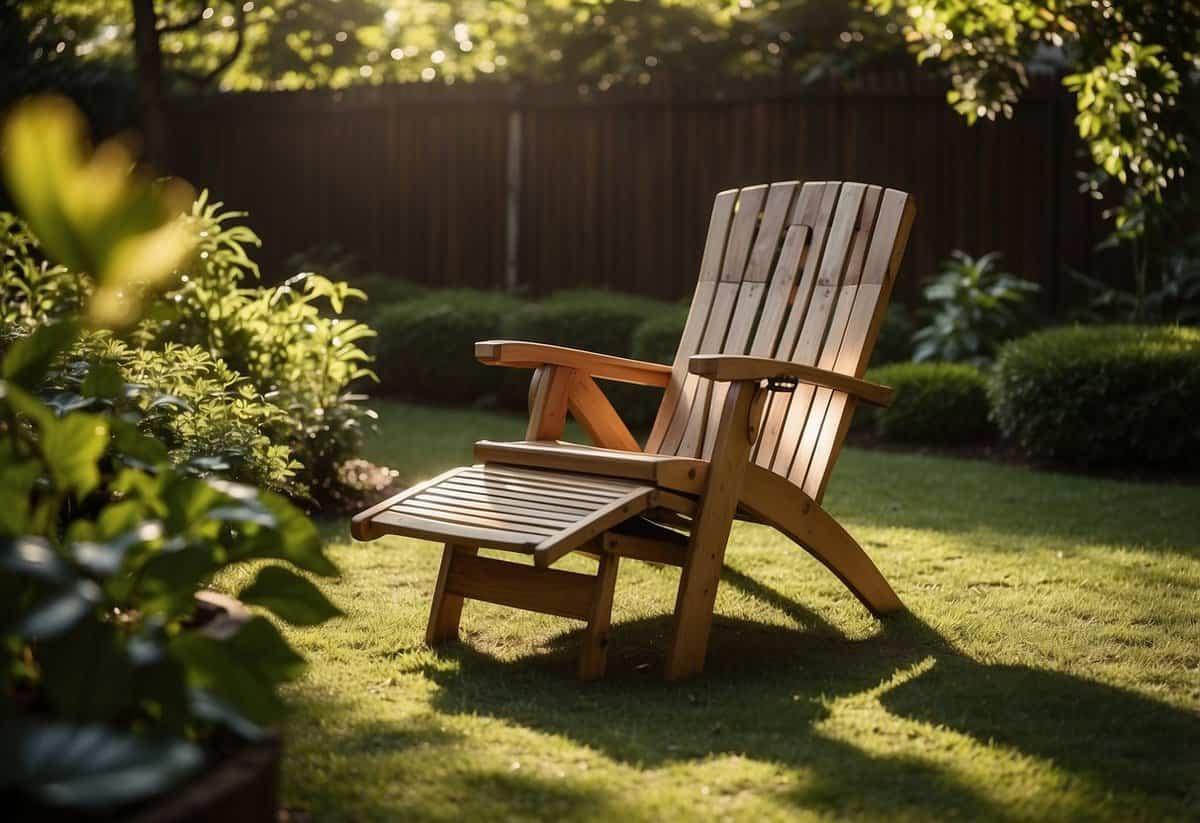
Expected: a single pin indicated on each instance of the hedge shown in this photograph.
(425, 347)
(1097, 396)
(936, 403)
(895, 337)
(595, 320)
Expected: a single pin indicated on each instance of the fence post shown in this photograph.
(512, 205)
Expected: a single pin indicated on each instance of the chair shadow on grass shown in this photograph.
(767, 688)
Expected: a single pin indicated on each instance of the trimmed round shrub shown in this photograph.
(590, 319)
(895, 337)
(383, 290)
(935, 403)
(1102, 395)
(426, 346)
(657, 339)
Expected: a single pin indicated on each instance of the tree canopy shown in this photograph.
(290, 44)
(1129, 65)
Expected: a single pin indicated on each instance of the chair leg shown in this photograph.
(446, 610)
(706, 549)
(695, 602)
(593, 657)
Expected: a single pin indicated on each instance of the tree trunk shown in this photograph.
(150, 90)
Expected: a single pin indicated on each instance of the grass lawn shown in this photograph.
(1049, 669)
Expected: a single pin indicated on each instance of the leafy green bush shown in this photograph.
(111, 690)
(593, 320)
(1102, 395)
(33, 291)
(657, 339)
(1173, 298)
(973, 309)
(263, 375)
(895, 343)
(338, 263)
(426, 347)
(205, 413)
(933, 403)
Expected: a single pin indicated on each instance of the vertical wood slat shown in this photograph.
(814, 209)
(816, 319)
(890, 235)
(767, 243)
(702, 301)
(831, 346)
(844, 242)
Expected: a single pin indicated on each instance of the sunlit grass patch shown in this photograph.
(1048, 669)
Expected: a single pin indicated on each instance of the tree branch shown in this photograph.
(184, 25)
(206, 78)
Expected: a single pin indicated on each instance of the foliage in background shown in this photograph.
(1129, 66)
(972, 308)
(339, 263)
(594, 320)
(657, 340)
(936, 403)
(110, 691)
(1174, 298)
(1096, 396)
(33, 291)
(895, 342)
(302, 44)
(260, 377)
(426, 346)
(290, 341)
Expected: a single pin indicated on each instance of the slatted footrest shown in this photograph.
(531, 511)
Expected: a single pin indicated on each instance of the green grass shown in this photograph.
(1049, 668)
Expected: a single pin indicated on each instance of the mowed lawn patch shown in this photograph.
(1049, 667)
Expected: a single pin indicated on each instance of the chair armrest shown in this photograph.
(520, 354)
(729, 367)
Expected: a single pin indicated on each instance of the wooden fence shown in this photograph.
(468, 186)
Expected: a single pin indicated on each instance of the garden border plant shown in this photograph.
(113, 694)
(1102, 396)
(257, 381)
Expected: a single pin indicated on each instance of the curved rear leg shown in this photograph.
(780, 504)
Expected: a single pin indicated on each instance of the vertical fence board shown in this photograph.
(615, 188)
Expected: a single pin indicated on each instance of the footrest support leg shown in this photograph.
(594, 655)
(446, 611)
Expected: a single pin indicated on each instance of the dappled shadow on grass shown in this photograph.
(767, 689)
(376, 769)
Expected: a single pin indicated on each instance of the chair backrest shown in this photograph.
(796, 272)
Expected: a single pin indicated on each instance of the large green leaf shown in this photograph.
(103, 380)
(262, 643)
(28, 358)
(243, 670)
(91, 766)
(16, 486)
(61, 612)
(87, 672)
(298, 540)
(290, 596)
(72, 448)
(33, 557)
(90, 210)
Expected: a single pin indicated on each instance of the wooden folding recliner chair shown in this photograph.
(793, 287)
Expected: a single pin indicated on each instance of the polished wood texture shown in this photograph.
(793, 285)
